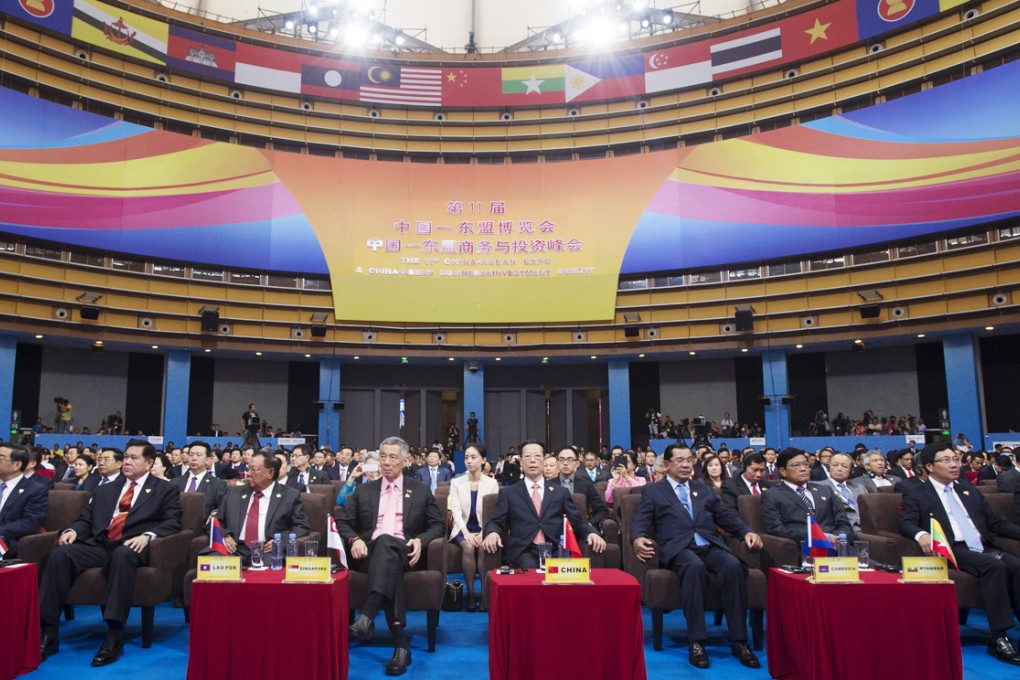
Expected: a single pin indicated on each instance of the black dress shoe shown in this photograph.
(399, 662)
(698, 657)
(110, 651)
(1003, 650)
(470, 606)
(744, 653)
(48, 645)
(363, 628)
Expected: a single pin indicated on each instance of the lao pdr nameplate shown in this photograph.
(835, 570)
(925, 570)
(219, 568)
(568, 570)
(307, 570)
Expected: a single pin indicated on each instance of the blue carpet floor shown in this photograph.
(461, 653)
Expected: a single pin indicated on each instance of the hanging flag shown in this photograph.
(817, 544)
(819, 31)
(331, 79)
(267, 68)
(334, 541)
(50, 14)
(216, 543)
(738, 54)
(939, 544)
(202, 54)
(534, 84)
(599, 79)
(472, 86)
(678, 67)
(875, 17)
(402, 85)
(569, 541)
(113, 29)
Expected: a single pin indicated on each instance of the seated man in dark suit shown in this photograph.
(533, 510)
(785, 507)
(113, 532)
(108, 464)
(820, 470)
(1007, 479)
(847, 488)
(31, 473)
(687, 515)
(301, 472)
(579, 482)
(260, 508)
(198, 480)
(592, 470)
(901, 464)
(433, 472)
(23, 503)
(387, 525)
(747, 483)
(971, 528)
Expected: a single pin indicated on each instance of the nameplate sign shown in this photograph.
(290, 441)
(568, 570)
(932, 569)
(835, 570)
(219, 568)
(155, 441)
(307, 570)
(756, 441)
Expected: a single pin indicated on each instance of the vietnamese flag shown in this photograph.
(819, 31)
(569, 539)
(939, 544)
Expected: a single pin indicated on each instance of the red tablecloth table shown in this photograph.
(537, 631)
(817, 631)
(264, 628)
(19, 622)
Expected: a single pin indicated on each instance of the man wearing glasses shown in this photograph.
(972, 529)
(301, 472)
(687, 515)
(568, 461)
(785, 507)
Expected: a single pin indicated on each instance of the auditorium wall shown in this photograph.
(95, 382)
(241, 381)
(698, 387)
(881, 379)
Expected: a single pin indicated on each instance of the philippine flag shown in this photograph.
(216, 537)
(817, 543)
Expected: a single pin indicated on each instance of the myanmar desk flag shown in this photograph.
(216, 543)
(569, 539)
(939, 544)
(817, 544)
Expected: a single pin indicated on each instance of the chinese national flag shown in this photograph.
(569, 539)
(479, 86)
(822, 30)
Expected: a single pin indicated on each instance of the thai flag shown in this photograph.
(216, 543)
(817, 543)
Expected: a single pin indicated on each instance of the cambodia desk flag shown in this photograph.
(3, 548)
(216, 537)
(569, 539)
(334, 541)
(817, 543)
(939, 544)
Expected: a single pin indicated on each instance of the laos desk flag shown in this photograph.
(569, 539)
(817, 544)
(216, 537)
(939, 544)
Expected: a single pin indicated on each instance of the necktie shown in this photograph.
(116, 529)
(194, 484)
(251, 528)
(685, 500)
(3, 487)
(569, 484)
(844, 491)
(536, 500)
(591, 473)
(432, 474)
(754, 490)
(970, 534)
(389, 523)
(772, 472)
(806, 500)
(104, 480)
(301, 481)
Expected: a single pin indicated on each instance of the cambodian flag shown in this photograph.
(817, 543)
(216, 537)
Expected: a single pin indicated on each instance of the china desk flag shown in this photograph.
(569, 539)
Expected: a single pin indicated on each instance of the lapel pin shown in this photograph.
(148, 491)
(823, 498)
(279, 495)
(407, 494)
(21, 491)
(694, 493)
(966, 493)
(551, 488)
(244, 496)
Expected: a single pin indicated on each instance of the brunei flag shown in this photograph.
(569, 539)
(216, 543)
(113, 29)
(817, 544)
(939, 544)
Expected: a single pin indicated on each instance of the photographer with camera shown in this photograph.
(624, 464)
(65, 423)
(252, 423)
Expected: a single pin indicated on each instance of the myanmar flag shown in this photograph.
(534, 84)
(939, 544)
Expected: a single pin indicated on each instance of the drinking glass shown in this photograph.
(256, 556)
(311, 548)
(806, 560)
(544, 553)
(863, 551)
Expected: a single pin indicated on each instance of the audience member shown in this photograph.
(198, 479)
(713, 472)
(574, 482)
(785, 507)
(367, 470)
(23, 503)
(593, 470)
(161, 466)
(875, 468)
(623, 476)
(433, 472)
(901, 464)
(301, 473)
(82, 470)
(1006, 475)
(108, 464)
(847, 489)
(466, 494)
(748, 483)
(550, 467)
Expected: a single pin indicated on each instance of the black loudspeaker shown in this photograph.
(744, 320)
(870, 311)
(89, 313)
(210, 322)
(318, 331)
(631, 332)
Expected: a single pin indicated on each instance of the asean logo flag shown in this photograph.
(569, 539)
(939, 544)
(817, 543)
(216, 543)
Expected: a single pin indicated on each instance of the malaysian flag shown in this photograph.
(402, 85)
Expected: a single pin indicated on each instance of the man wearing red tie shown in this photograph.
(771, 473)
(748, 483)
(113, 532)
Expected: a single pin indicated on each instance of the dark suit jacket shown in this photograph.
(23, 513)
(156, 509)
(443, 474)
(214, 490)
(285, 513)
(1008, 480)
(422, 517)
(674, 527)
(328, 474)
(515, 511)
(597, 508)
(987, 472)
(314, 477)
(44, 482)
(818, 474)
(921, 503)
(784, 515)
(734, 488)
(92, 482)
(175, 471)
(601, 474)
(909, 483)
(897, 471)
(225, 471)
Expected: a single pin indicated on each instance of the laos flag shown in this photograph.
(817, 544)
(216, 537)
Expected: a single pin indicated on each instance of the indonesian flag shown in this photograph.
(216, 543)
(3, 547)
(569, 539)
(333, 540)
(817, 544)
(939, 544)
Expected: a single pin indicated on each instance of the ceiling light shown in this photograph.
(356, 358)
(693, 353)
(556, 37)
(989, 328)
(800, 346)
(744, 349)
(258, 354)
(155, 347)
(451, 358)
(98, 342)
(289, 24)
(594, 357)
(207, 350)
(640, 356)
(356, 35)
(858, 342)
(38, 337)
(399, 39)
(499, 358)
(920, 335)
(308, 356)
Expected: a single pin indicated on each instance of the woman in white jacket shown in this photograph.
(466, 494)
